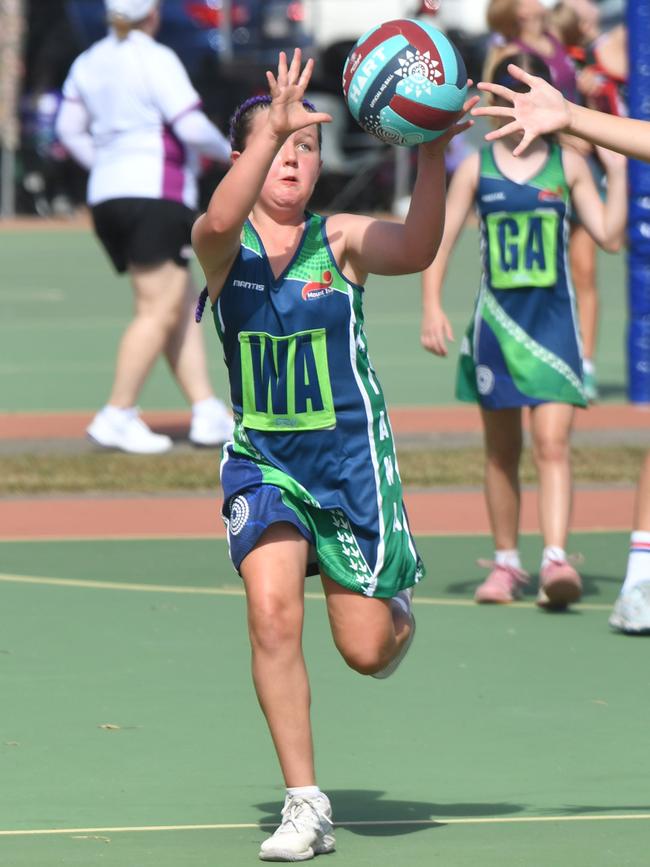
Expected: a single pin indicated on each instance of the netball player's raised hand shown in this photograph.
(288, 113)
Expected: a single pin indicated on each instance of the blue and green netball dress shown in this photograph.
(522, 347)
(313, 444)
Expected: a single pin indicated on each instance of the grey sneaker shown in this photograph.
(407, 596)
(631, 613)
(306, 830)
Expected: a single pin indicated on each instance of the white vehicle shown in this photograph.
(331, 22)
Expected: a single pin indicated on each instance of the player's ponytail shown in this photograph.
(200, 305)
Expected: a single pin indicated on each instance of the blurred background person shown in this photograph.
(132, 118)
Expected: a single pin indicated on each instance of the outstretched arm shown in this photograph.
(374, 246)
(216, 234)
(544, 110)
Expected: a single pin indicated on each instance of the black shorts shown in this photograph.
(144, 231)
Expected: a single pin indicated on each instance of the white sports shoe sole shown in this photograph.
(396, 661)
(631, 614)
(325, 847)
(142, 441)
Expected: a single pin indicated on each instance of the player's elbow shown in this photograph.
(613, 245)
(419, 258)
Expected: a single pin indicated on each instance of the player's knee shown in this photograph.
(551, 449)
(366, 658)
(274, 627)
(504, 459)
(584, 275)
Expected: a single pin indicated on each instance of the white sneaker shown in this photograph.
(631, 612)
(125, 430)
(212, 425)
(306, 830)
(407, 596)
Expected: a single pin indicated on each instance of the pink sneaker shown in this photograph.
(559, 585)
(502, 585)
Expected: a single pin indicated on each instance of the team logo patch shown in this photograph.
(239, 512)
(484, 379)
(550, 195)
(317, 288)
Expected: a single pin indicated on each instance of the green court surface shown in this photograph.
(129, 724)
(64, 311)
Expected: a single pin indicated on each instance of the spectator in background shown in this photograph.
(524, 26)
(51, 182)
(131, 117)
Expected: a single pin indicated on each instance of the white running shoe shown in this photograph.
(212, 425)
(631, 612)
(407, 597)
(124, 429)
(306, 830)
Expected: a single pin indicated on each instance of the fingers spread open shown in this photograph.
(294, 69)
(520, 74)
(282, 68)
(509, 128)
(523, 144)
(497, 90)
(493, 111)
(306, 74)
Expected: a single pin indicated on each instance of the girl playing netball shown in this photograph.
(538, 110)
(522, 347)
(311, 481)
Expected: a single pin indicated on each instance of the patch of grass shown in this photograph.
(199, 471)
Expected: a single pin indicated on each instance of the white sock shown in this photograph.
(208, 406)
(508, 557)
(638, 561)
(117, 414)
(304, 791)
(588, 366)
(402, 601)
(553, 554)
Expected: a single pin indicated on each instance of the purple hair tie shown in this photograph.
(200, 305)
(252, 102)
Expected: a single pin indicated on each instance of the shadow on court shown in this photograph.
(612, 391)
(592, 586)
(362, 805)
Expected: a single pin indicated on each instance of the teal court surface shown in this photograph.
(130, 734)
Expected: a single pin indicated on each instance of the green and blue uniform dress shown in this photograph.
(522, 347)
(313, 444)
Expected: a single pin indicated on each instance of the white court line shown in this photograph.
(212, 536)
(244, 826)
(239, 591)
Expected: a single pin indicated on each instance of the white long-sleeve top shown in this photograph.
(132, 117)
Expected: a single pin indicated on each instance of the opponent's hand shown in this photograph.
(287, 113)
(541, 110)
(440, 143)
(436, 331)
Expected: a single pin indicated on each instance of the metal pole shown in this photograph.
(226, 31)
(7, 176)
(11, 34)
